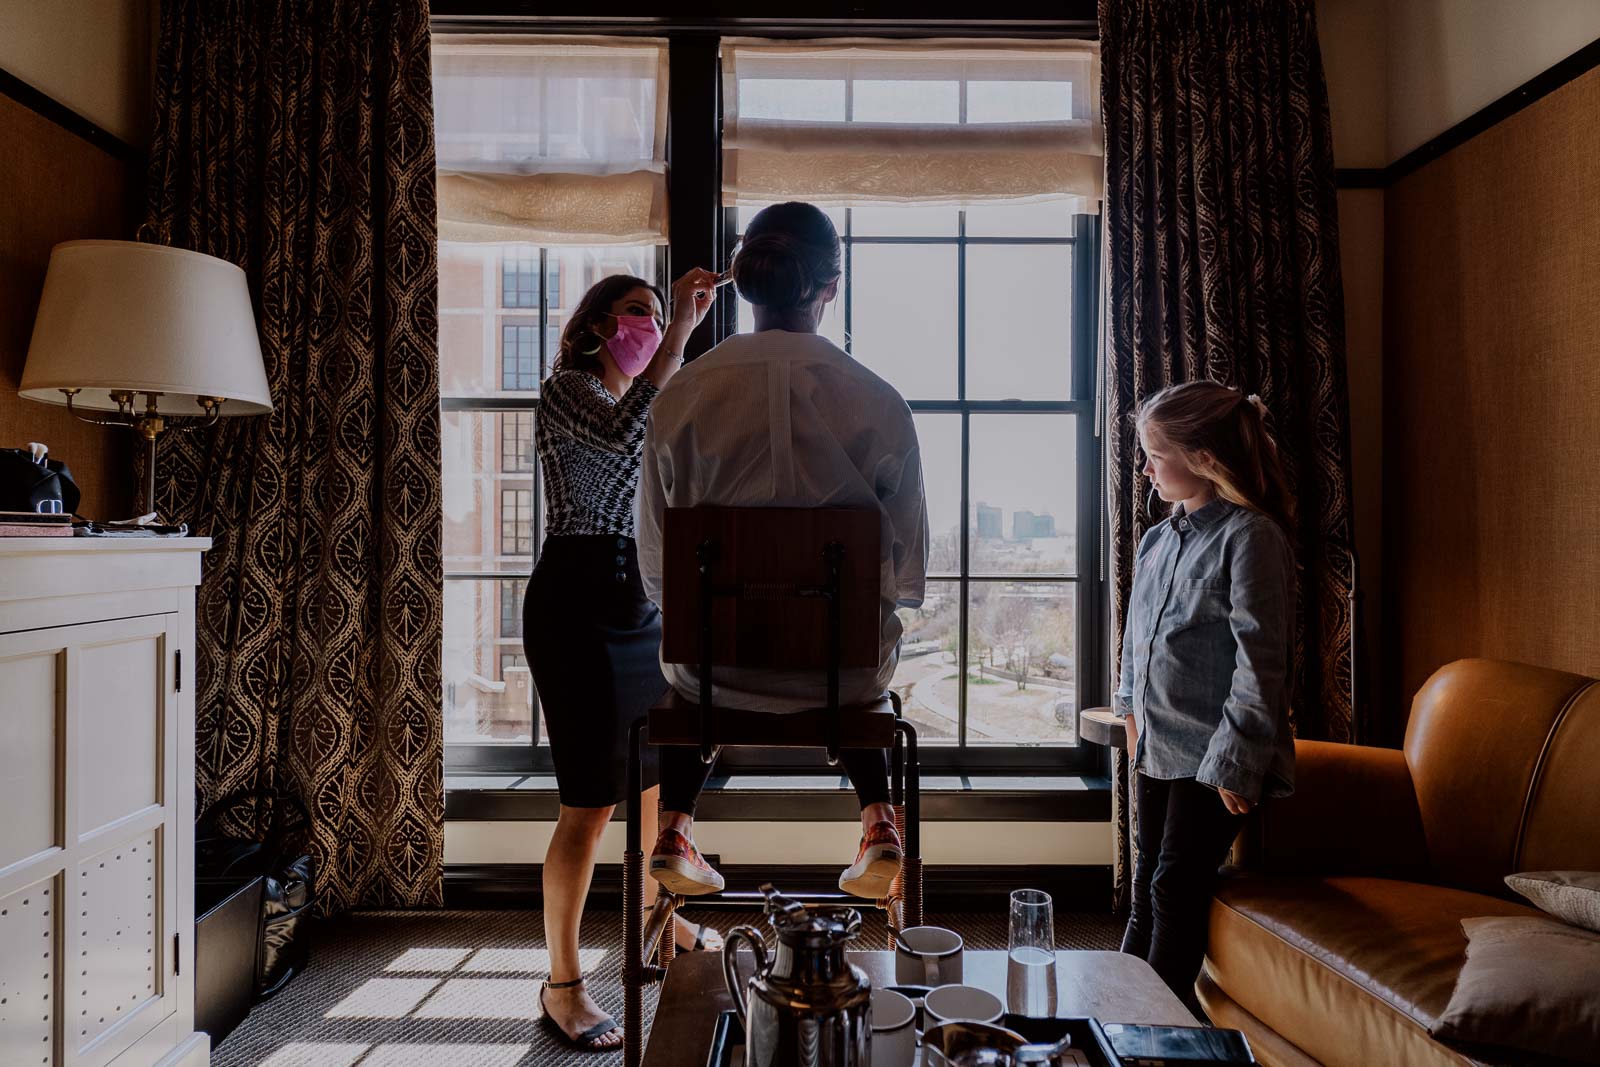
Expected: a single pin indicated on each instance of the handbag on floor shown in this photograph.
(289, 876)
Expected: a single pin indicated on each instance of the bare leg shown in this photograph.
(568, 870)
(683, 931)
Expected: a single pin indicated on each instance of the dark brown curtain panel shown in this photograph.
(1222, 262)
(295, 138)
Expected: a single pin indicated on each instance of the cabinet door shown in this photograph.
(88, 872)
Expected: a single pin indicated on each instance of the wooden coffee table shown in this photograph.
(1110, 986)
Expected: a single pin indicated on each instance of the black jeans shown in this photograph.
(683, 776)
(1184, 834)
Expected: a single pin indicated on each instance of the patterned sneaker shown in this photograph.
(876, 863)
(678, 865)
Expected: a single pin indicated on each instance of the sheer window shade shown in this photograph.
(551, 141)
(952, 123)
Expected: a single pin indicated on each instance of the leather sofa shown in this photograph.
(1336, 938)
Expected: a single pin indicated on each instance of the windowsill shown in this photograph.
(787, 798)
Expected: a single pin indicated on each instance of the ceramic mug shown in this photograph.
(927, 955)
(894, 1032)
(962, 1003)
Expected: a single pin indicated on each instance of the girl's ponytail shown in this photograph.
(1225, 439)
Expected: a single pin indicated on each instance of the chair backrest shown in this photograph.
(770, 565)
(1503, 758)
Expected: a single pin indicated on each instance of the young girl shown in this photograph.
(1205, 661)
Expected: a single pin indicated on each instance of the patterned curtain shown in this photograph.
(295, 138)
(1222, 262)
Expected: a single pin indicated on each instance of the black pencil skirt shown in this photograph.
(593, 641)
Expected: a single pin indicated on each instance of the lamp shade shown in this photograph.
(124, 315)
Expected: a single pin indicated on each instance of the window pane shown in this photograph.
(516, 524)
(926, 676)
(939, 437)
(904, 220)
(1019, 101)
(903, 316)
(1024, 492)
(516, 442)
(471, 292)
(519, 355)
(475, 477)
(795, 99)
(1047, 219)
(1021, 670)
(908, 100)
(519, 273)
(1019, 322)
(485, 699)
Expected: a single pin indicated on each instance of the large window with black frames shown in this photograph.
(963, 180)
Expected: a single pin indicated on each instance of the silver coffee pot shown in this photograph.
(805, 1005)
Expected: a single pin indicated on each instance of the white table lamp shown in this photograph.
(121, 318)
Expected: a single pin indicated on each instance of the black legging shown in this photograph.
(683, 776)
(1184, 835)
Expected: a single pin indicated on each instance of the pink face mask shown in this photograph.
(635, 343)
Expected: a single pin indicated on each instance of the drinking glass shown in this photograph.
(1031, 948)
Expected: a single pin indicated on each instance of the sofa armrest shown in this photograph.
(1353, 812)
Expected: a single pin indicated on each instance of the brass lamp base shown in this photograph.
(149, 424)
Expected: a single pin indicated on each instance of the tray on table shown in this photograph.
(727, 1041)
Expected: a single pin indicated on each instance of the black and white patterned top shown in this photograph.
(589, 445)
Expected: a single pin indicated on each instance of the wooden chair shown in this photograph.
(793, 589)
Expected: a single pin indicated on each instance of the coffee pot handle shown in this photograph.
(730, 965)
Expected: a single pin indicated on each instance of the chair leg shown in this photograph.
(666, 939)
(633, 965)
(911, 865)
(894, 905)
(658, 942)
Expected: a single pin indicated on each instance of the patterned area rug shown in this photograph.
(460, 988)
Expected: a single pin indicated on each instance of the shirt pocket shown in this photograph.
(1200, 601)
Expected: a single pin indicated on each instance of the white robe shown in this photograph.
(779, 419)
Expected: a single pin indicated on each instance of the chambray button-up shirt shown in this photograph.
(1206, 651)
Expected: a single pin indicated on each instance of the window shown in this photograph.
(949, 305)
(519, 356)
(511, 596)
(516, 442)
(517, 117)
(519, 274)
(946, 301)
(976, 300)
(516, 522)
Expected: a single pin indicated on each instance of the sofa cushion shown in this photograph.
(1571, 896)
(1352, 970)
(1529, 985)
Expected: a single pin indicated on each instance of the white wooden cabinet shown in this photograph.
(97, 802)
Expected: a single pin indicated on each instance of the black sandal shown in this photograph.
(584, 1042)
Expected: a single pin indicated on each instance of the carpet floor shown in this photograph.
(460, 988)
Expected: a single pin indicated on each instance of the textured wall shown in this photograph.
(1491, 441)
(57, 187)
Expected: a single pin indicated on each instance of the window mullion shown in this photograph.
(963, 640)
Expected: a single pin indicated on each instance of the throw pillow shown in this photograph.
(1570, 895)
(1529, 985)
